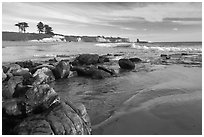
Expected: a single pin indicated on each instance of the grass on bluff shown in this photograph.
(15, 36)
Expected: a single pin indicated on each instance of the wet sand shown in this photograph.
(171, 107)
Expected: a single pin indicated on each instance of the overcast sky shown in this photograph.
(147, 21)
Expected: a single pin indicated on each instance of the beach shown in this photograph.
(159, 96)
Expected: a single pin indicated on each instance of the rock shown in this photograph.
(12, 82)
(4, 76)
(92, 72)
(22, 72)
(103, 59)
(20, 90)
(51, 67)
(13, 67)
(12, 107)
(62, 70)
(43, 75)
(40, 98)
(28, 64)
(111, 71)
(61, 120)
(126, 64)
(86, 59)
(164, 56)
(135, 60)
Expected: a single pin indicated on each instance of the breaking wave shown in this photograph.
(151, 47)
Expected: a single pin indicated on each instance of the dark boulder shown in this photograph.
(62, 70)
(91, 72)
(111, 71)
(165, 56)
(20, 90)
(126, 64)
(135, 60)
(40, 98)
(43, 75)
(86, 59)
(61, 120)
(12, 82)
(28, 64)
(103, 59)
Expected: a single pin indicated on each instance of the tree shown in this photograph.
(40, 27)
(22, 26)
(48, 29)
(18, 25)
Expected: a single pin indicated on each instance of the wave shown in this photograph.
(152, 47)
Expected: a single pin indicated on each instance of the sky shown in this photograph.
(173, 21)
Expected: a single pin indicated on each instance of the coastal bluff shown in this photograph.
(35, 37)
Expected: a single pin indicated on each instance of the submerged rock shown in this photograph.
(43, 75)
(103, 59)
(92, 72)
(62, 70)
(135, 60)
(111, 71)
(126, 64)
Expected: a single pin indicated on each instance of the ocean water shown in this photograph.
(14, 51)
(152, 99)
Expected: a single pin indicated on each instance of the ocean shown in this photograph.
(153, 98)
(15, 51)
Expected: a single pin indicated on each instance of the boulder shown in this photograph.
(39, 98)
(21, 72)
(12, 82)
(126, 64)
(51, 67)
(12, 107)
(43, 75)
(28, 64)
(91, 72)
(20, 90)
(13, 67)
(135, 60)
(62, 70)
(86, 59)
(103, 59)
(4, 76)
(111, 71)
(61, 120)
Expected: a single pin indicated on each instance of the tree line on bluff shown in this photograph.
(40, 26)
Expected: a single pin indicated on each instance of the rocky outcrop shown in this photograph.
(30, 106)
(126, 64)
